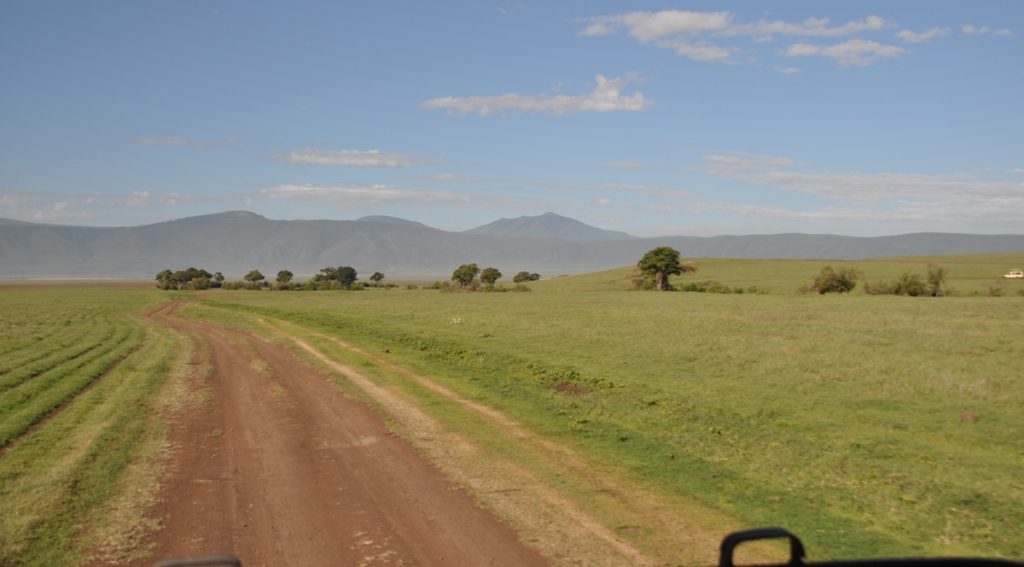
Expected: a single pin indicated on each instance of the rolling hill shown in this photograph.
(237, 241)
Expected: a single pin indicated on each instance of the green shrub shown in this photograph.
(832, 281)
(907, 284)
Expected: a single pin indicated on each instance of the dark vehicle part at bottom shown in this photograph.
(200, 560)
(729, 545)
(796, 554)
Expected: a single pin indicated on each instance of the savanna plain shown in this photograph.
(605, 425)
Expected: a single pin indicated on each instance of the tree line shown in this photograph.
(342, 277)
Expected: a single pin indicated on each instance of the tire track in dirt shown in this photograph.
(280, 468)
(523, 495)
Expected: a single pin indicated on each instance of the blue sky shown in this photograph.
(689, 118)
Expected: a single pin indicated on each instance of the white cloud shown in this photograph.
(624, 164)
(649, 26)
(606, 97)
(811, 27)
(350, 158)
(679, 30)
(604, 201)
(968, 29)
(700, 51)
(788, 70)
(595, 30)
(855, 52)
(358, 194)
(928, 35)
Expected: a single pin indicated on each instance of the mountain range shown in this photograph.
(237, 241)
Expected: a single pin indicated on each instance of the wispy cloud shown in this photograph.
(44, 206)
(687, 32)
(350, 158)
(780, 172)
(358, 194)
(855, 52)
(968, 29)
(607, 96)
(919, 37)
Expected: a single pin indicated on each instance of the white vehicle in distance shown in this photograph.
(1014, 275)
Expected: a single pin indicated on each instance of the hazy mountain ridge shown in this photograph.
(238, 241)
(548, 225)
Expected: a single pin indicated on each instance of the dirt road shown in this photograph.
(280, 468)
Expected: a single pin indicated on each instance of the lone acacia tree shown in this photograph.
(254, 277)
(660, 263)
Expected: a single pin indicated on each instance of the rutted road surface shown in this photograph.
(280, 468)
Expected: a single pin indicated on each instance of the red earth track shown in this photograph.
(279, 467)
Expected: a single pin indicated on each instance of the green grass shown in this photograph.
(836, 416)
(968, 274)
(57, 479)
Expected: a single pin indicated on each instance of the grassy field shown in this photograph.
(969, 275)
(80, 374)
(871, 425)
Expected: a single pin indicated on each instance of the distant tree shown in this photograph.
(347, 276)
(376, 277)
(218, 279)
(163, 279)
(490, 275)
(465, 274)
(832, 281)
(284, 276)
(525, 277)
(254, 277)
(660, 263)
(327, 274)
(192, 278)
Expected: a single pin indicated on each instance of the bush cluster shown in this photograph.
(913, 285)
(831, 281)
